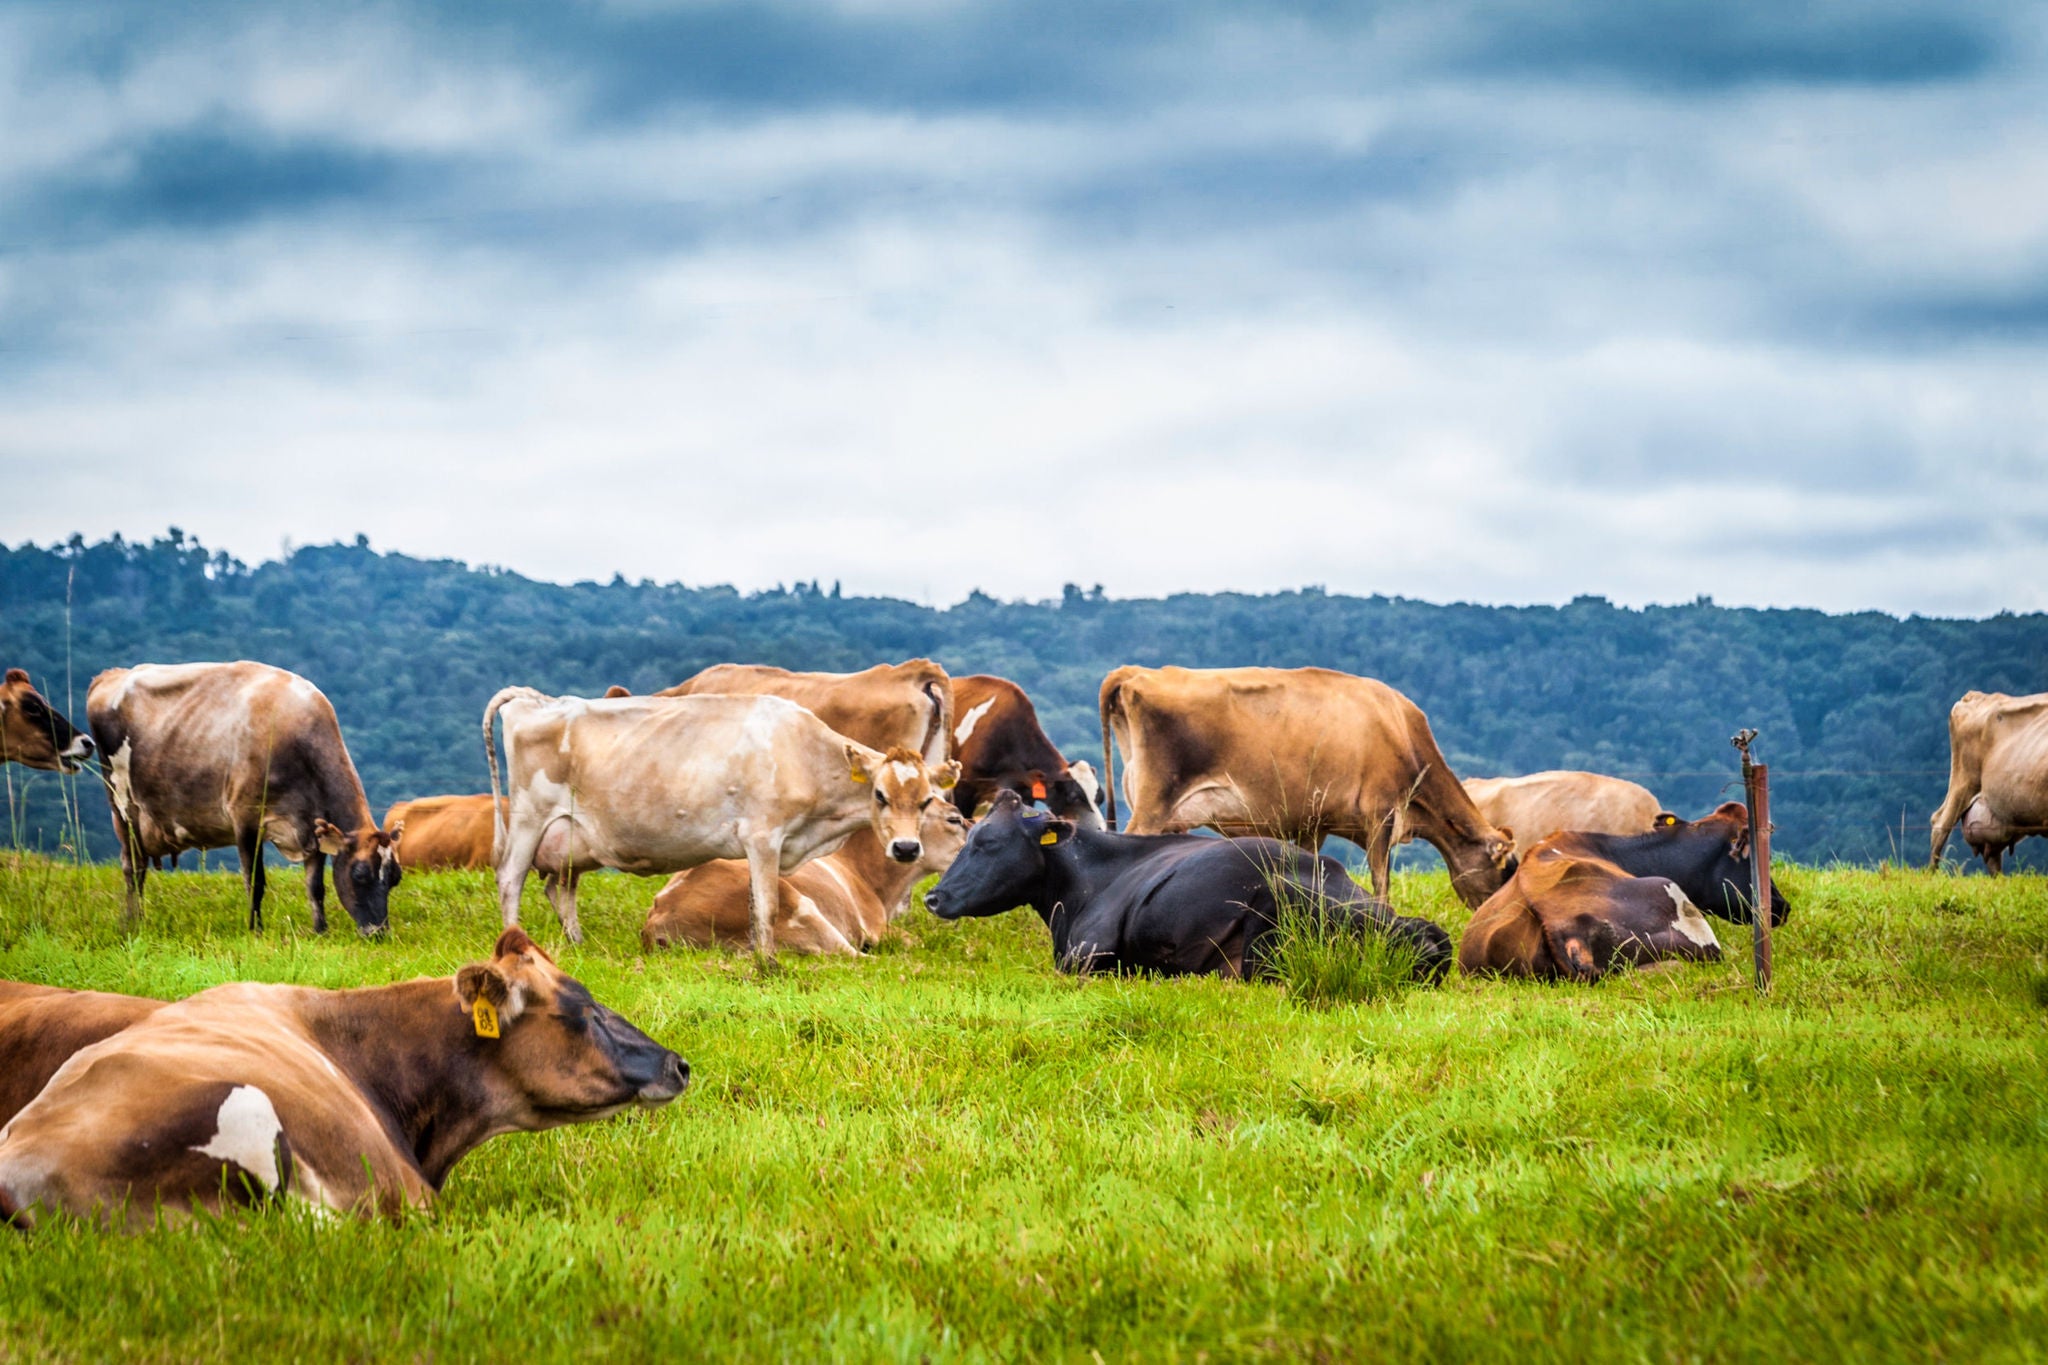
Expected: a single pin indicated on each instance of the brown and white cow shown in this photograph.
(663, 784)
(356, 1101)
(215, 755)
(907, 705)
(1542, 804)
(1568, 915)
(1295, 754)
(443, 831)
(838, 904)
(1002, 747)
(34, 733)
(42, 1026)
(1997, 775)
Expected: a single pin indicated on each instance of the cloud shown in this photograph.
(1449, 301)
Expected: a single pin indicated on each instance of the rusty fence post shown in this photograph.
(1756, 792)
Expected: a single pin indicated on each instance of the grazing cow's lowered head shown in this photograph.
(365, 870)
(1002, 865)
(33, 734)
(904, 787)
(553, 1054)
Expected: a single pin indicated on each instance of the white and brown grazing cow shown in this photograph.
(890, 706)
(1002, 747)
(1294, 754)
(443, 832)
(1997, 775)
(34, 733)
(1542, 804)
(218, 755)
(355, 1101)
(837, 904)
(663, 784)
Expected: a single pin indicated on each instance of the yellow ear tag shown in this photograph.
(486, 1016)
(1048, 838)
(859, 776)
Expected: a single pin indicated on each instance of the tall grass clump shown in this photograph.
(1329, 954)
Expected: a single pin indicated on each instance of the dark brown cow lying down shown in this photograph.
(1566, 915)
(41, 1026)
(358, 1101)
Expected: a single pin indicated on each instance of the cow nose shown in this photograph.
(82, 747)
(905, 850)
(677, 1073)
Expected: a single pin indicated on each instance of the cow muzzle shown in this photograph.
(906, 850)
(672, 1080)
(76, 753)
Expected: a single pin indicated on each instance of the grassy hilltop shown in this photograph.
(946, 1151)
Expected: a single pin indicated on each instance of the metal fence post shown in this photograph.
(1756, 790)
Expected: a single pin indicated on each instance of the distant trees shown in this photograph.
(1853, 708)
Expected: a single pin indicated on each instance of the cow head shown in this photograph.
(1711, 857)
(558, 1056)
(365, 870)
(33, 734)
(1078, 796)
(904, 788)
(1002, 865)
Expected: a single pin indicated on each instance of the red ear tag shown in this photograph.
(1037, 790)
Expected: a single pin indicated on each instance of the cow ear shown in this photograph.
(615, 691)
(857, 764)
(395, 833)
(1738, 847)
(946, 775)
(17, 675)
(488, 997)
(1056, 831)
(330, 839)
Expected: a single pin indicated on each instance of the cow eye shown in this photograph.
(926, 802)
(881, 800)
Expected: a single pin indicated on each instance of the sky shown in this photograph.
(1496, 303)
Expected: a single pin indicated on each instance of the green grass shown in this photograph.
(947, 1151)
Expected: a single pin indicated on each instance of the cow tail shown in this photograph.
(1110, 699)
(504, 695)
(942, 717)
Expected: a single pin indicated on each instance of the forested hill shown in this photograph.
(1852, 709)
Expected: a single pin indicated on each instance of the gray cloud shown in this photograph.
(1455, 301)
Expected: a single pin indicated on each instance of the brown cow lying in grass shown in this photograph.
(41, 1026)
(1567, 915)
(839, 903)
(358, 1101)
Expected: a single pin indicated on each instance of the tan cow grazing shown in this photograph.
(356, 1101)
(1567, 915)
(42, 1026)
(663, 784)
(231, 755)
(34, 733)
(443, 831)
(1295, 754)
(907, 705)
(839, 903)
(1997, 775)
(1542, 804)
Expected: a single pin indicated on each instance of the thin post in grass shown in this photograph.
(1756, 792)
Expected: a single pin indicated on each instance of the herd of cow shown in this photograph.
(794, 811)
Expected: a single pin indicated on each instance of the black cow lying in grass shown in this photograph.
(1171, 904)
(1581, 904)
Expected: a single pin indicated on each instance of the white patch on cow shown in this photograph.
(303, 690)
(1690, 921)
(124, 790)
(248, 1133)
(967, 722)
(905, 773)
(1083, 774)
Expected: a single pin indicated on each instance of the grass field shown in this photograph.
(946, 1151)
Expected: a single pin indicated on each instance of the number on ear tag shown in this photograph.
(1037, 790)
(1048, 838)
(486, 1016)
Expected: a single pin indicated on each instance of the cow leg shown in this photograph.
(1379, 855)
(561, 889)
(1947, 817)
(134, 874)
(515, 860)
(1994, 861)
(249, 844)
(764, 876)
(316, 890)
